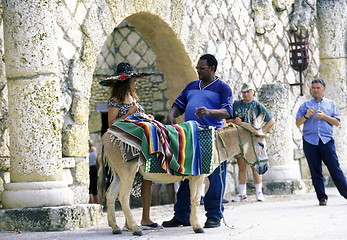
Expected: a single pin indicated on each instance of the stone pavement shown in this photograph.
(280, 217)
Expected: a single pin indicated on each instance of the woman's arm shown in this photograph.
(113, 113)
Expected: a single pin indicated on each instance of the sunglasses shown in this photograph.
(200, 68)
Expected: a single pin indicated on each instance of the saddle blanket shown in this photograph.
(179, 149)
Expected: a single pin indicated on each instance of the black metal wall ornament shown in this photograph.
(298, 55)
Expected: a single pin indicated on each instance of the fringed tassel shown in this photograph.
(124, 147)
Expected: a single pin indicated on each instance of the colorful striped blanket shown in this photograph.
(174, 149)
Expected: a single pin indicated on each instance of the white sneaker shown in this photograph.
(240, 198)
(259, 196)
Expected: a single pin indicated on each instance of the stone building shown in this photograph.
(55, 52)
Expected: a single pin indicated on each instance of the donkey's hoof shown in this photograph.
(137, 233)
(116, 231)
(199, 230)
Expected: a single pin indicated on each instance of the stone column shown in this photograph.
(35, 127)
(283, 169)
(332, 26)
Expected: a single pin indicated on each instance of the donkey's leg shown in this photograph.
(127, 175)
(111, 196)
(195, 185)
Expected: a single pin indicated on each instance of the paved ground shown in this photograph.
(278, 218)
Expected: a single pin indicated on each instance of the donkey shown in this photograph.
(229, 141)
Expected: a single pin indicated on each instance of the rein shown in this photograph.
(220, 176)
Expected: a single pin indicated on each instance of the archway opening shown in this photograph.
(172, 58)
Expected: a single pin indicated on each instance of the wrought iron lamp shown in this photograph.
(298, 55)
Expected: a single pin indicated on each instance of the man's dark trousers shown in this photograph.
(326, 152)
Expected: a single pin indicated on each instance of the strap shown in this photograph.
(257, 161)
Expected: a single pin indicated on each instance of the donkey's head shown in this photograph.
(260, 160)
(246, 139)
(256, 155)
(233, 140)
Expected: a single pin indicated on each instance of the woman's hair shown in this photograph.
(120, 89)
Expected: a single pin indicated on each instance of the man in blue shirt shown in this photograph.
(207, 101)
(319, 115)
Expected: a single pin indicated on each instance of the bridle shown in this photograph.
(257, 161)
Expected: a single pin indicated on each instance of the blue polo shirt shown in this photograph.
(314, 128)
(216, 95)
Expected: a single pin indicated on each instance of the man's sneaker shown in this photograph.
(174, 223)
(240, 198)
(259, 197)
(212, 222)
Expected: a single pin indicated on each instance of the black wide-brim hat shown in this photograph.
(124, 71)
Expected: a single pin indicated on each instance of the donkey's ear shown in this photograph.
(251, 116)
(259, 120)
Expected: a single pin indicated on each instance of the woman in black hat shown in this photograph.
(123, 103)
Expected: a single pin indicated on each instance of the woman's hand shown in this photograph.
(150, 116)
(133, 108)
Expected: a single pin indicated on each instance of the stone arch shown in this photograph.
(172, 59)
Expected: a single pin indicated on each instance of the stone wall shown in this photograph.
(249, 39)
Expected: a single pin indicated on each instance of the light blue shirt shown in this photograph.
(314, 128)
